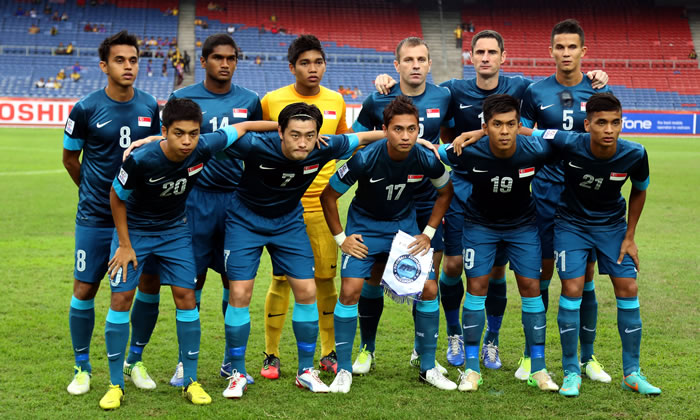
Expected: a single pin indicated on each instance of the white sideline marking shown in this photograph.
(50, 171)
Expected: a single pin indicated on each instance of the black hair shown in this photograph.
(300, 111)
(500, 104)
(214, 41)
(488, 33)
(568, 26)
(402, 105)
(181, 109)
(601, 102)
(303, 44)
(411, 41)
(120, 38)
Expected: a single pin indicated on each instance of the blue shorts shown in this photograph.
(285, 238)
(573, 244)
(92, 245)
(521, 246)
(377, 235)
(546, 195)
(206, 215)
(422, 217)
(169, 251)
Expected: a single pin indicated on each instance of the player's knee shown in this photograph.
(149, 283)
(572, 287)
(478, 286)
(121, 301)
(184, 298)
(452, 265)
(498, 272)
(430, 290)
(304, 290)
(85, 291)
(625, 287)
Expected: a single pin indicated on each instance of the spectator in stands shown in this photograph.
(102, 28)
(186, 61)
(258, 60)
(75, 76)
(466, 56)
(198, 43)
(87, 27)
(273, 18)
(40, 83)
(261, 29)
(357, 90)
(214, 7)
(164, 42)
(61, 75)
(54, 31)
(64, 17)
(152, 42)
(60, 50)
(168, 12)
(33, 30)
(470, 26)
(458, 36)
(55, 17)
(47, 9)
(179, 69)
(32, 13)
(159, 53)
(76, 67)
(342, 90)
(164, 71)
(693, 55)
(231, 29)
(173, 42)
(176, 11)
(20, 11)
(159, 41)
(69, 49)
(149, 68)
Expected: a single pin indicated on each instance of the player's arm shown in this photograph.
(260, 126)
(638, 195)
(367, 137)
(445, 192)
(71, 161)
(73, 135)
(467, 138)
(528, 113)
(383, 83)
(351, 245)
(125, 253)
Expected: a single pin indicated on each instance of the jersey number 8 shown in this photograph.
(125, 136)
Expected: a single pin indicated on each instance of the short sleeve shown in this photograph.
(342, 123)
(448, 155)
(528, 110)
(76, 128)
(342, 145)
(265, 106)
(241, 147)
(257, 114)
(639, 176)
(346, 176)
(156, 125)
(364, 120)
(128, 177)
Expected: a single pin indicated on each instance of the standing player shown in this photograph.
(389, 173)
(559, 101)
(501, 213)
(591, 217)
(265, 211)
(101, 126)
(413, 65)
(307, 62)
(148, 206)
(223, 103)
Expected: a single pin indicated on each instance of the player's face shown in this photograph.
(309, 69)
(221, 63)
(413, 65)
(487, 57)
(605, 128)
(298, 139)
(567, 52)
(122, 66)
(402, 133)
(182, 138)
(502, 130)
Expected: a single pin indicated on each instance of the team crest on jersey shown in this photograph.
(526, 172)
(329, 115)
(432, 112)
(583, 107)
(549, 134)
(618, 176)
(70, 125)
(144, 121)
(311, 169)
(343, 170)
(194, 169)
(414, 178)
(240, 113)
(123, 176)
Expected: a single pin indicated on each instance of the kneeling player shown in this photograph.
(388, 172)
(148, 206)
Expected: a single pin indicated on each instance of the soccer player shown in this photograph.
(500, 213)
(265, 211)
(413, 65)
(307, 62)
(591, 217)
(223, 103)
(101, 126)
(389, 174)
(559, 102)
(148, 206)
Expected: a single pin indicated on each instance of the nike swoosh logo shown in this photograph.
(574, 166)
(84, 348)
(141, 344)
(204, 112)
(341, 343)
(372, 181)
(478, 170)
(436, 335)
(265, 167)
(566, 330)
(113, 355)
(542, 107)
(192, 353)
(464, 106)
(100, 125)
(539, 328)
(273, 315)
(631, 331)
(333, 266)
(151, 180)
(587, 329)
(327, 313)
(466, 327)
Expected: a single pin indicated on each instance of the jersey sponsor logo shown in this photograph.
(144, 121)
(574, 166)
(153, 181)
(432, 112)
(526, 172)
(70, 125)
(102, 124)
(310, 169)
(464, 106)
(123, 176)
(372, 180)
(330, 115)
(415, 178)
(618, 176)
(549, 134)
(343, 170)
(194, 169)
(542, 107)
(240, 113)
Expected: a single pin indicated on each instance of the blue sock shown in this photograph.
(451, 294)
(189, 333)
(81, 319)
(198, 297)
(345, 325)
(629, 325)
(589, 321)
(496, 300)
(305, 326)
(535, 327)
(116, 336)
(473, 320)
(427, 325)
(370, 307)
(224, 302)
(544, 292)
(237, 326)
(144, 315)
(568, 320)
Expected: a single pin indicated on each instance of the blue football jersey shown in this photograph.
(102, 128)
(272, 185)
(592, 194)
(219, 111)
(500, 196)
(386, 187)
(155, 188)
(551, 105)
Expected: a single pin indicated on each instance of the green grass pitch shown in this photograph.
(37, 213)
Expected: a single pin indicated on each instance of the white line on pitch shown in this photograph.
(51, 171)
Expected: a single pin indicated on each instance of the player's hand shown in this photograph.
(429, 145)
(629, 247)
(599, 78)
(353, 245)
(120, 261)
(383, 83)
(420, 246)
(322, 141)
(465, 139)
(139, 143)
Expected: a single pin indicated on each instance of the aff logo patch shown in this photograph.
(343, 170)
(549, 134)
(123, 176)
(70, 125)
